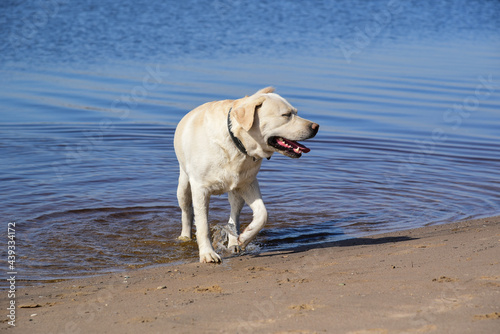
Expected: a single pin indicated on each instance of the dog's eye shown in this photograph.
(287, 114)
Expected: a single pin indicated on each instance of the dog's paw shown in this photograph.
(242, 243)
(184, 238)
(210, 257)
(235, 249)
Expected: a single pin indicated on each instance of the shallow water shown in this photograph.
(406, 93)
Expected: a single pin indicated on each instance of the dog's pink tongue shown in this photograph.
(297, 147)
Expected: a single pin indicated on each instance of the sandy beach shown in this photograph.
(436, 279)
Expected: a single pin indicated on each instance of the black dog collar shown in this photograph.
(236, 141)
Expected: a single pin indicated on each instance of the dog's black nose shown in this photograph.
(314, 129)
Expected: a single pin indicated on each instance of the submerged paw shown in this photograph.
(235, 249)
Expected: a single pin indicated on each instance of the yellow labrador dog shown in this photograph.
(220, 146)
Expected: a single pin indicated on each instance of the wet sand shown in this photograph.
(436, 279)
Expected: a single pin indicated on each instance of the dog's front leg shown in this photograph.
(253, 198)
(201, 201)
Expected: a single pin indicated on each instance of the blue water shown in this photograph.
(407, 94)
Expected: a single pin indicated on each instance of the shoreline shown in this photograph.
(439, 278)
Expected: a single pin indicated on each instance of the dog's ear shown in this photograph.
(245, 114)
(265, 90)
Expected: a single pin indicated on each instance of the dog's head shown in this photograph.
(270, 124)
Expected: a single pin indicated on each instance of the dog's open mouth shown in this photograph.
(288, 147)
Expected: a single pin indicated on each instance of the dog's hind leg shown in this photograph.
(233, 226)
(186, 203)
